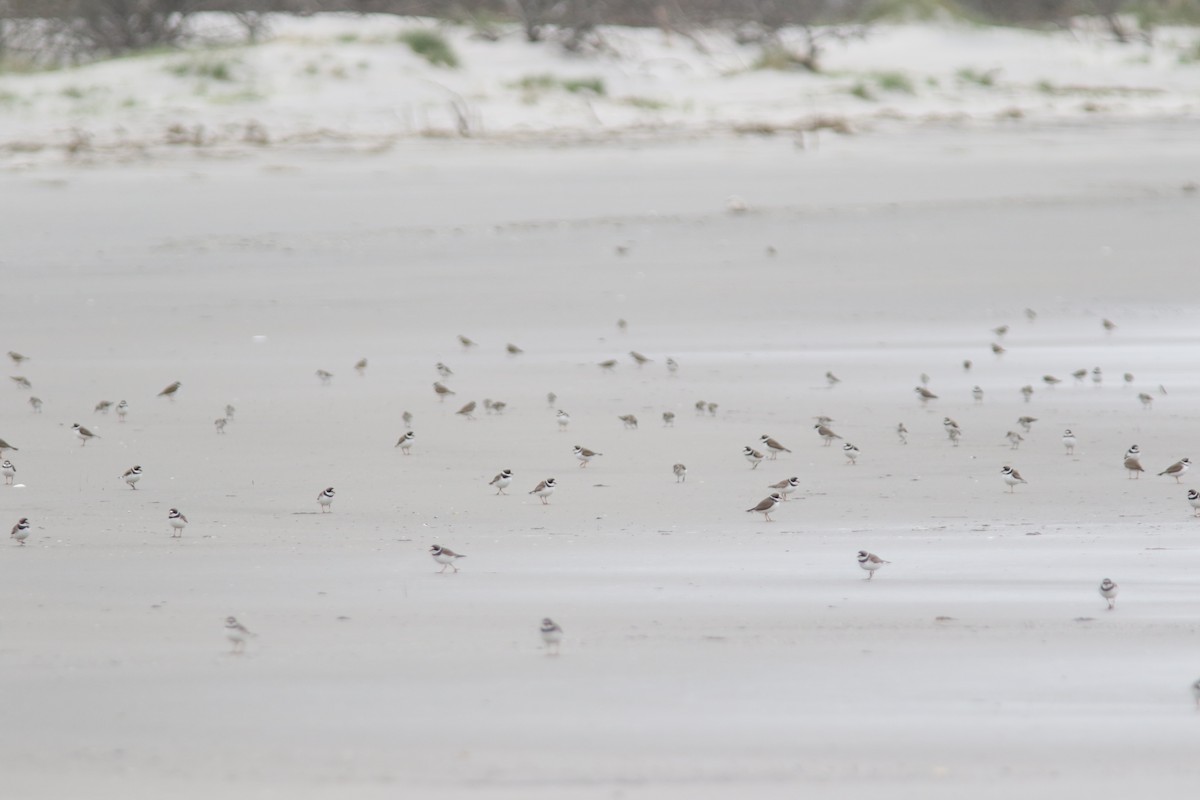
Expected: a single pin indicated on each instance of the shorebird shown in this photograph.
(1133, 462)
(766, 506)
(169, 391)
(1177, 469)
(870, 562)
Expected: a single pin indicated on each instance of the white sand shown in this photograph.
(707, 652)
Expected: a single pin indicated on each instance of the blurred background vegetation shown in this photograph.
(56, 32)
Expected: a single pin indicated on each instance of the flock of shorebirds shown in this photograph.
(768, 448)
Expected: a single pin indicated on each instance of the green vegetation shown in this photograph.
(577, 85)
(985, 79)
(216, 69)
(777, 58)
(894, 82)
(431, 46)
(645, 103)
(544, 82)
(861, 91)
(533, 83)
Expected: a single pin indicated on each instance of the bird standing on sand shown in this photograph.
(766, 506)
(169, 391)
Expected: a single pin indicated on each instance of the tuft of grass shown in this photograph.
(532, 83)
(347, 38)
(986, 79)
(579, 85)
(646, 103)
(861, 91)
(213, 69)
(73, 92)
(894, 82)
(431, 46)
(777, 58)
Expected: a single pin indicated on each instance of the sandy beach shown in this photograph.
(706, 652)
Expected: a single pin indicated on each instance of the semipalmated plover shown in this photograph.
(563, 419)
(545, 489)
(122, 410)
(502, 480)
(442, 391)
(325, 500)
(445, 556)
(20, 531)
(924, 395)
(36, 403)
(132, 475)
(668, 419)
(977, 393)
(680, 473)
(1133, 462)
(1193, 499)
(83, 433)
(851, 453)
(1014, 439)
(629, 421)
(1177, 469)
(405, 442)
(551, 635)
(9, 471)
(766, 506)
(826, 433)
(178, 523)
(753, 456)
(1068, 440)
(1109, 591)
(237, 634)
(584, 455)
(1012, 478)
(169, 391)
(773, 446)
(870, 562)
(785, 487)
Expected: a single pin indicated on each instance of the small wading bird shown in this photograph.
(83, 433)
(502, 480)
(766, 506)
(1012, 478)
(445, 556)
(544, 489)
(20, 531)
(551, 635)
(773, 447)
(237, 634)
(132, 475)
(169, 391)
(1109, 591)
(178, 523)
(870, 562)
(1133, 462)
(584, 455)
(1177, 469)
